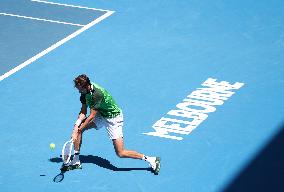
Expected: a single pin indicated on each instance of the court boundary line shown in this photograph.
(54, 46)
(40, 19)
(68, 5)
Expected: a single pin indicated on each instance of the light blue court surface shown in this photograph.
(150, 55)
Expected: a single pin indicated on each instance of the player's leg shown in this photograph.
(124, 153)
(77, 139)
(96, 123)
(121, 152)
(77, 135)
(114, 128)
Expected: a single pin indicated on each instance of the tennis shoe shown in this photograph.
(156, 165)
(75, 162)
(66, 164)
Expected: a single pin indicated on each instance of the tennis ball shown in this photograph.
(52, 145)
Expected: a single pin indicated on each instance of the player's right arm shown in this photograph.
(83, 112)
(80, 120)
(82, 116)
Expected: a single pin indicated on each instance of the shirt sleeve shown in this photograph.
(98, 99)
(83, 99)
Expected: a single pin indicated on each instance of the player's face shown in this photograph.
(83, 90)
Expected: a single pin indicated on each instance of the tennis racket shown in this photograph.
(67, 151)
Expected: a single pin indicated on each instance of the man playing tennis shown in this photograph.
(104, 112)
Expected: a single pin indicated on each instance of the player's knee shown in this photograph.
(121, 154)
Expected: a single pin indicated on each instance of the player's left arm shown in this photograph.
(92, 115)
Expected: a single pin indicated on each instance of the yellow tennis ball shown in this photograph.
(52, 145)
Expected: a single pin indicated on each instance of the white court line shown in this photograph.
(39, 19)
(68, 5)
(54, 46)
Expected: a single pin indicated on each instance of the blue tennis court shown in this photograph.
(200, 84)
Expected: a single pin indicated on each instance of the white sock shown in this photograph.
(149, 159)
(76, 155)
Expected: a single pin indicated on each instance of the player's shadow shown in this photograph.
(101, 162)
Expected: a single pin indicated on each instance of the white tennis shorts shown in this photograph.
(112, 125)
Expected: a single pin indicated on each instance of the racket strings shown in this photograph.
(67, 151)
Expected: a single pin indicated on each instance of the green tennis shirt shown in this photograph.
(100, 100)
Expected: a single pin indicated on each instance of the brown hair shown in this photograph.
(82, 81)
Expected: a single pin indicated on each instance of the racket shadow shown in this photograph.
(101, 162)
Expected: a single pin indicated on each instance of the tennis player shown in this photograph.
(104, 112)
